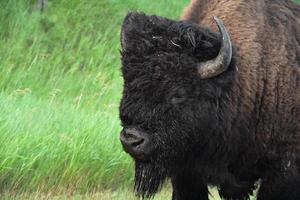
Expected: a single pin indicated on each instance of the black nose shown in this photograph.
(136, 142)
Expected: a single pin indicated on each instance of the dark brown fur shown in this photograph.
(230, 130)
(267, 34)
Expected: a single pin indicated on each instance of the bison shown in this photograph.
(214, 99)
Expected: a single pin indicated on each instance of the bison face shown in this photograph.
(170, 109)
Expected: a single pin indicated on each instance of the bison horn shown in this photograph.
(218, 65)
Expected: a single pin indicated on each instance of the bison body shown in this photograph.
(228, 129)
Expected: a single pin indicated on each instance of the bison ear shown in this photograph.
(132, 23)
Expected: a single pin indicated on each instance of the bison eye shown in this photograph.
(178, 97)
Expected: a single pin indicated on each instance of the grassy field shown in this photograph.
(101, 195)
(120, 194)
(60, 87)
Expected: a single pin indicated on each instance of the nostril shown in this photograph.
(137, 142)
(132, 138)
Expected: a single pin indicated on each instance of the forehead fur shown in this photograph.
(142, 34)
(156, 48)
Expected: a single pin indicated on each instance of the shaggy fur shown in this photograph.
(230, 130)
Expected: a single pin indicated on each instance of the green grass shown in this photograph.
(60, 87)
(120, 194)
(103, 195)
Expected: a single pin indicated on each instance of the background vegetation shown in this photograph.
(60, 87)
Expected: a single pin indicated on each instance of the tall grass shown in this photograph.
(60, 87)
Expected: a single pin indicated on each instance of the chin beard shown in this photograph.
(149, 178)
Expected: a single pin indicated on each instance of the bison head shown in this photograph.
(176, 75)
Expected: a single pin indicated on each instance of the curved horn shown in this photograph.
(218, 65)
